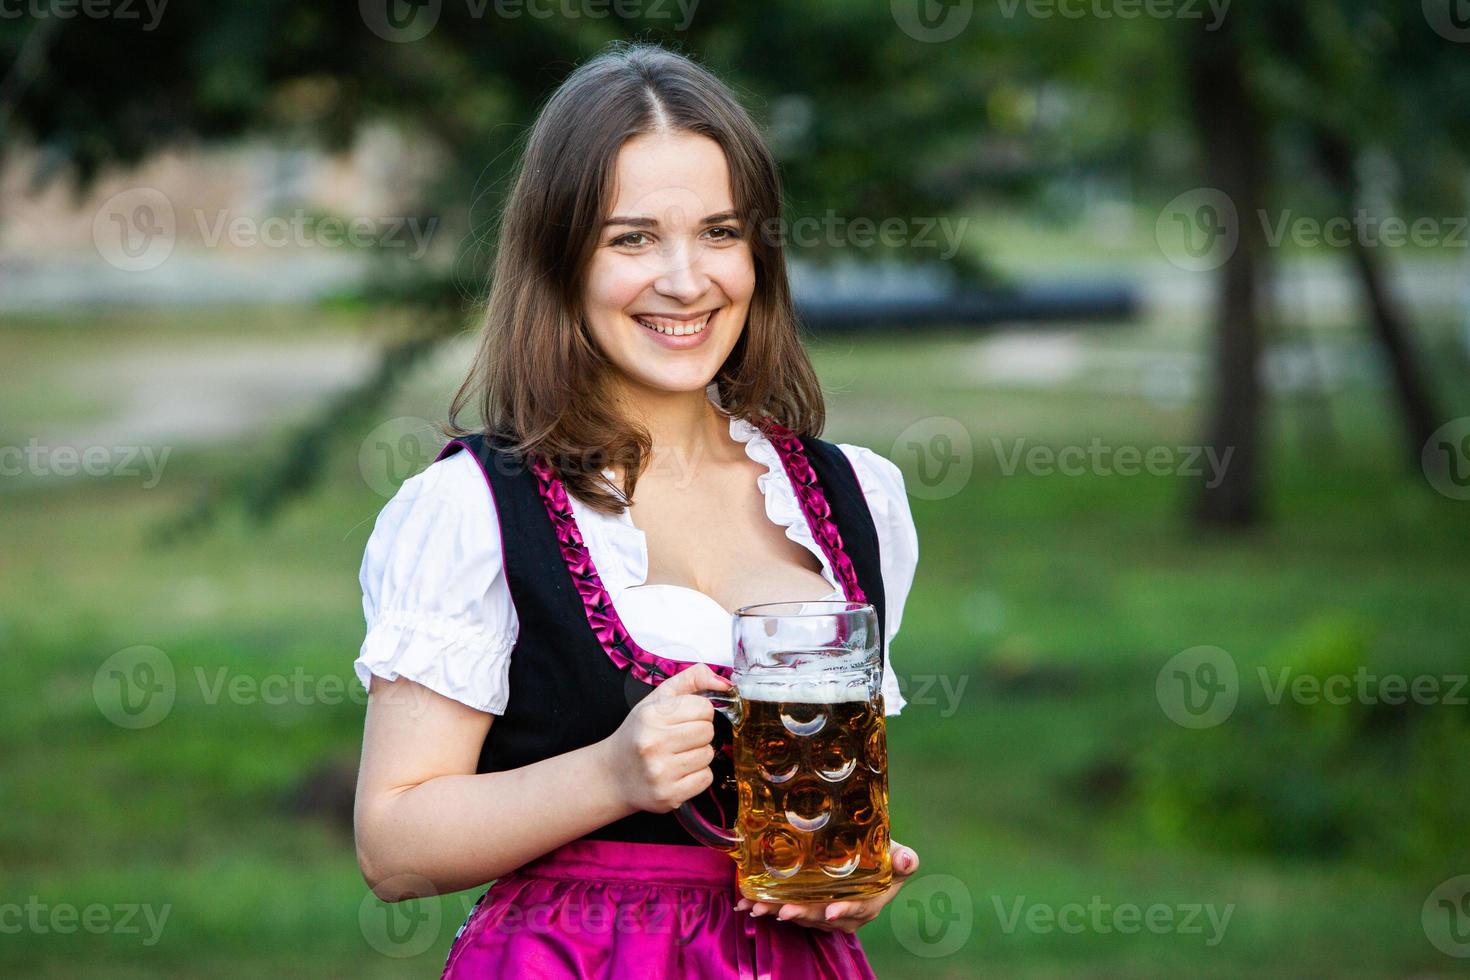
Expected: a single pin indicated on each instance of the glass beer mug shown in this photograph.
(810, 754)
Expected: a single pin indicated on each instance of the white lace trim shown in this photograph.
(622, 549)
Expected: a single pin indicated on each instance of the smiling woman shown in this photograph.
(647, 461)
(659, 182)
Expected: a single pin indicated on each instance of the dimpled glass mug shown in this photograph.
(810, 753)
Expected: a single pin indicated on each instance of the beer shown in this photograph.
(811, 770)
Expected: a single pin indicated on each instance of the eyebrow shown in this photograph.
(641, 222)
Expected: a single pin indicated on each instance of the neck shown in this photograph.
(686, 427)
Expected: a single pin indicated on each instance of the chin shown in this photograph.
(681, 384)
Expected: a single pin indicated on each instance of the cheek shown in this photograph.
(613, 286)
(734, 269)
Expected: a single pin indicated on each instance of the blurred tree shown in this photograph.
(1360, 77)
(1282, 99)
(851, 104)
(865, 118)
(1232, 140)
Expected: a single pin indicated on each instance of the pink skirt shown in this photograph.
(599, 908)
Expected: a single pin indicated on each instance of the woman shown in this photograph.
(537, 629)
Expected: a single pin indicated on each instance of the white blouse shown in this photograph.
(439, 609)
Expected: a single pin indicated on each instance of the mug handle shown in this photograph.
(698, 825)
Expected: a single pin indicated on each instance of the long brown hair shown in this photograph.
(538, 378)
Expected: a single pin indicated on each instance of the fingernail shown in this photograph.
(906, 859)
(785, 914)
(833, 911)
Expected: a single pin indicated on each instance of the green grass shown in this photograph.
(1053, 599)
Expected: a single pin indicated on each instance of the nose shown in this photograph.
(680, 277)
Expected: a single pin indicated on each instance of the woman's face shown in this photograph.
(670, 282)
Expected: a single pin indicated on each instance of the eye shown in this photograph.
(625, 239)
(730, 234)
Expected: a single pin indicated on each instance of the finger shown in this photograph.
(687, 735)
(812, 917)
(694, 759)
(697, 677)
(806, 914)
(686, 788)
(905, 859)
(838, 910)
(678, 708)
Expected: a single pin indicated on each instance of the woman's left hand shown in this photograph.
(844, 916)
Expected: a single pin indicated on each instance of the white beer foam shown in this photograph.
(805, 690)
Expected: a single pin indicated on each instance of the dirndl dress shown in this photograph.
(638, 898)
(614, 909)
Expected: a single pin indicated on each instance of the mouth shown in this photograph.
(675, 326)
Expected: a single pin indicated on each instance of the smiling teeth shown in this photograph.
(673, 328)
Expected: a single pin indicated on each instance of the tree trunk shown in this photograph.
(1390, 326)
(1229, 129)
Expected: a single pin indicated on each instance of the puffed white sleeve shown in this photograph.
(898, 542)
(434, 594)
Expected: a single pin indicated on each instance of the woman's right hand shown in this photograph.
(662, 751)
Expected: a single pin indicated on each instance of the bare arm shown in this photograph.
(427, 823)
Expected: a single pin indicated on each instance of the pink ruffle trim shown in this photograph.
(645, 665)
